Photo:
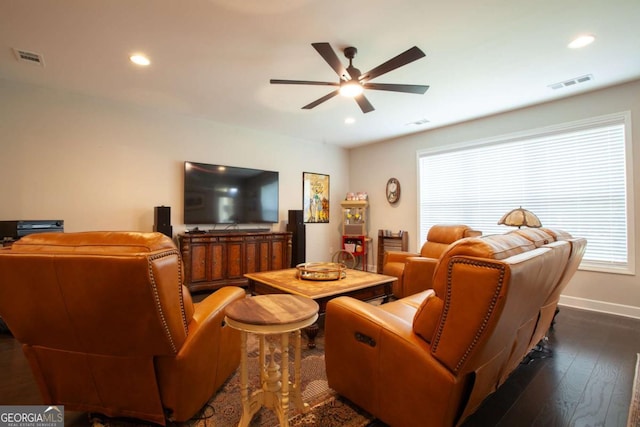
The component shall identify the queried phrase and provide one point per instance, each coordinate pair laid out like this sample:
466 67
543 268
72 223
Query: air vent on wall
572 82
29 57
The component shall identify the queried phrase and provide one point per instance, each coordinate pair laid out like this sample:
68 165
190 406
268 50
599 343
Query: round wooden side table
275 314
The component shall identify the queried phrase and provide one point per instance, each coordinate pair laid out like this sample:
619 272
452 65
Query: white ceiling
214 58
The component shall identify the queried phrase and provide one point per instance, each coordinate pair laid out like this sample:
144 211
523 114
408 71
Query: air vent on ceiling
572 82
419 122
29 57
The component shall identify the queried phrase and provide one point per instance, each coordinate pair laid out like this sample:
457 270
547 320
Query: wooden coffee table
357 284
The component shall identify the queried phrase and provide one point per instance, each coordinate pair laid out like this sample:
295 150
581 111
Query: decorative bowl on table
321 271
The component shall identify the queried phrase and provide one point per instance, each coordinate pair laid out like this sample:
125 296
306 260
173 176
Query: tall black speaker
298 241
162 220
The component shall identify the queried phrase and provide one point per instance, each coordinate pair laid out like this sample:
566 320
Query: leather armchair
108 327
415 270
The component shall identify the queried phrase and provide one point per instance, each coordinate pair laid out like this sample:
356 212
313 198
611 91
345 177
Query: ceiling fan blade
320 100
418 89
326 51
364 103
404 58
302 82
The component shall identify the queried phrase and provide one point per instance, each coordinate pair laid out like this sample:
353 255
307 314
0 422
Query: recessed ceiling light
581 41
349 120
140 60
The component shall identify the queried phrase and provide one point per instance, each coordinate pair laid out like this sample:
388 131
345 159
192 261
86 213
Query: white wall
397 158
100 165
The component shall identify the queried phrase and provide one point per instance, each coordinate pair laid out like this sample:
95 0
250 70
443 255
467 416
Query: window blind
574 179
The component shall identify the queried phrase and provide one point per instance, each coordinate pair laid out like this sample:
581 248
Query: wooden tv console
216 259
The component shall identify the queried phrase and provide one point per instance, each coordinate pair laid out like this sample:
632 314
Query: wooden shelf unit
390 241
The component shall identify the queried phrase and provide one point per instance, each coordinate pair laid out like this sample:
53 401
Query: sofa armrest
398 256
367 349
393 265
209 355
418 274
368 317
215 302
356 334
208 330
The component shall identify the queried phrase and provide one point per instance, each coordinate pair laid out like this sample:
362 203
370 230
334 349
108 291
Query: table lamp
520 217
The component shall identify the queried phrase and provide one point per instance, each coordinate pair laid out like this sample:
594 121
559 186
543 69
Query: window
576 177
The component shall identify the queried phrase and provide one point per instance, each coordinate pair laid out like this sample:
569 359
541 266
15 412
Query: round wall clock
393 190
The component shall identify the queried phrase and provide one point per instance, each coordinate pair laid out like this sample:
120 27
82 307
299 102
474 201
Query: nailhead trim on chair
185 322
150 260
485 320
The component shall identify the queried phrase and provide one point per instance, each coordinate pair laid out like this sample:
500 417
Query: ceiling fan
352 81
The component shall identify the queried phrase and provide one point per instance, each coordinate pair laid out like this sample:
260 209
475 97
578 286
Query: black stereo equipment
298 237
17 229
162 220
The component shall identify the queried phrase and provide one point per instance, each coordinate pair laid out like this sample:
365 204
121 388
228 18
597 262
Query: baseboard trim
600 306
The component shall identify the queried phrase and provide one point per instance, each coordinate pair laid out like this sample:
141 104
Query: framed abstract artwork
315 197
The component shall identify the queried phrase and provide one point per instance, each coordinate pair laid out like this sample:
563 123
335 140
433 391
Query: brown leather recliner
415 270
431 358
108 327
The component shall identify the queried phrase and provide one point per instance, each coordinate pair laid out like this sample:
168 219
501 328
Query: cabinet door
198 262
278 248
251 254
265 256
234 260
216 258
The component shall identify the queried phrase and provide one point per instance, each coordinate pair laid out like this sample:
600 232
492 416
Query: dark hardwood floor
586 381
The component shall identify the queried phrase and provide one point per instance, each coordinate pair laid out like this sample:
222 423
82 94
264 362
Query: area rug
634 407
327 409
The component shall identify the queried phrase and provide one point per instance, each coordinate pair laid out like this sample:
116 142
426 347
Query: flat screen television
219 194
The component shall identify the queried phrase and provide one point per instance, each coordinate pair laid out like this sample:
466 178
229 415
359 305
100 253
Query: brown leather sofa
108 327
431 358
415 270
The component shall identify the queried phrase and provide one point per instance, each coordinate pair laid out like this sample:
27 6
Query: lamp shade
520 217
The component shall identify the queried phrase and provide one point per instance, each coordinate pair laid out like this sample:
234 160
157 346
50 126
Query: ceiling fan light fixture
352 82
351 89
